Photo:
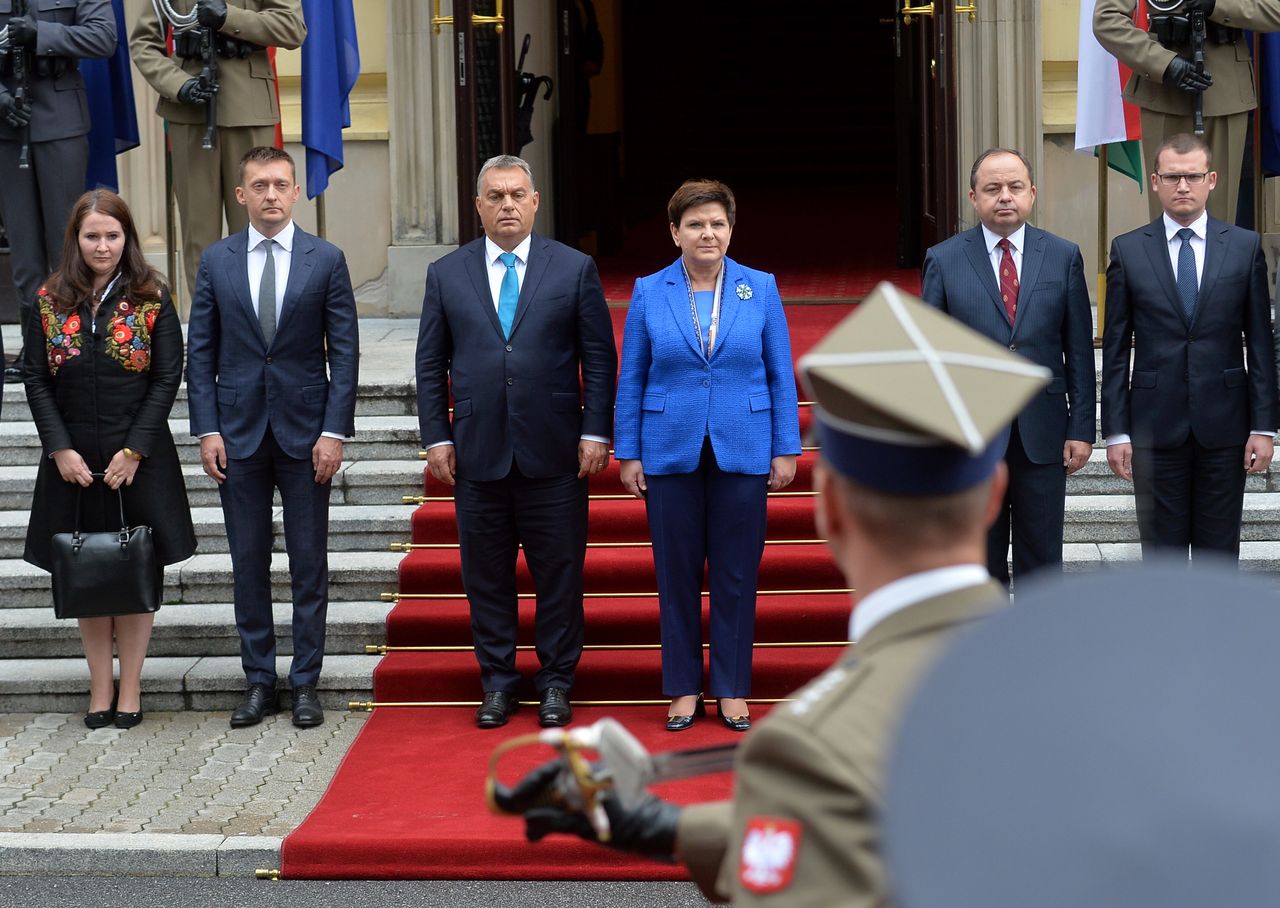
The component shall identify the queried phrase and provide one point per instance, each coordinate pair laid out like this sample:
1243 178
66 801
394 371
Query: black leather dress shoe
259 701
100 719
14 375
127 720
307 711
554 709
734 723
497 706
683 723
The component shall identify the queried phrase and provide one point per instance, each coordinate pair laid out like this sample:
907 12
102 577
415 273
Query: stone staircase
193 661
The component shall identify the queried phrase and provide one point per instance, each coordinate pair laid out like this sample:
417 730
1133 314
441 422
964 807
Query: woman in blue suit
706 425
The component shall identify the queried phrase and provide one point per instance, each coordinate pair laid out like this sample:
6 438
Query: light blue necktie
1188 287
508 294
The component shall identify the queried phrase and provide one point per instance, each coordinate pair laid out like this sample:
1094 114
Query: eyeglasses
1173 179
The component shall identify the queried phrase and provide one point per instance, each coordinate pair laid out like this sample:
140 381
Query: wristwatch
131 453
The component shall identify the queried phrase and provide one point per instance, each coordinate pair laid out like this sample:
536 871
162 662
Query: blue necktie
509 293
1188 287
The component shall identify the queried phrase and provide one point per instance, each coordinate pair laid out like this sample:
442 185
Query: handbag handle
124 525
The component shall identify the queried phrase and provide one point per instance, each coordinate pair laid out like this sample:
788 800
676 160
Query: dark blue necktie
1188 286
509 293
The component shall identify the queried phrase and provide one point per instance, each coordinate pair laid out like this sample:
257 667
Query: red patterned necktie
1008 280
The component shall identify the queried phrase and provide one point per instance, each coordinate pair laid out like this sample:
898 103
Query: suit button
706 384
508 348
268 360
511 381
1013 348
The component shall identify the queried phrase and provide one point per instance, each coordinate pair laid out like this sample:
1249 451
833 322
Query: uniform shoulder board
818 690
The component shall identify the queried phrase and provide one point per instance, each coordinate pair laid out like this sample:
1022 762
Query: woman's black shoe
128 720
734 723
101 719
681 723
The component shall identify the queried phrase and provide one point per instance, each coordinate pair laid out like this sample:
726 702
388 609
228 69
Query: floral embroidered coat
99 385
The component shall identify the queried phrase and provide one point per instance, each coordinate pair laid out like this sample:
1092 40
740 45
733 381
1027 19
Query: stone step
1103 519
377 398
172 683
1255 557
352 528
353 577
377 438
189 629
365 482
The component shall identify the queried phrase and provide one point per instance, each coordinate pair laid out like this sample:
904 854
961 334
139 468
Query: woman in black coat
103 361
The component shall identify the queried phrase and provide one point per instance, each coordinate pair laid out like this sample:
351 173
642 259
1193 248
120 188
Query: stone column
999 85
424 210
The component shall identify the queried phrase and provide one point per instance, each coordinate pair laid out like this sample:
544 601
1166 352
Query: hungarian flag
1103 116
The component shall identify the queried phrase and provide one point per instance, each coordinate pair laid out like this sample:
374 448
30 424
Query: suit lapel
478 269
238 248
301 263
1158 253
975 249
1032 259
534 270
730 304
678 302
1215 250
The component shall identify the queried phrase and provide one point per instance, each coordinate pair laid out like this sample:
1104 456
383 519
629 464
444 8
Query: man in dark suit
272 391
1190 420
516 327
52 124
1024 288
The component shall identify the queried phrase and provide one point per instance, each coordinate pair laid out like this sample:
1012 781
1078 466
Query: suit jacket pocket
654 402
1234 378
1046 286
226 396
461 409
761 401
1142 379
315 394
563 402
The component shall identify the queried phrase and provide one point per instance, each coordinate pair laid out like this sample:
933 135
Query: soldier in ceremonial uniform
911 476
35 201
1164 81
248 110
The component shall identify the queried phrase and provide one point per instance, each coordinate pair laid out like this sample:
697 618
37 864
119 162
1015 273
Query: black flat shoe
496 708
128 720
307 711
683 723
101 719
259 701
554 710
734 723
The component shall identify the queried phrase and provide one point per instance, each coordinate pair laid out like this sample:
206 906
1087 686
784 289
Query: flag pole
320 217
1102 243
1259 220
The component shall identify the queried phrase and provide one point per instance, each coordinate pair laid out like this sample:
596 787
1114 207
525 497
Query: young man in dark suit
515 327
1024 288
1187 295
272 360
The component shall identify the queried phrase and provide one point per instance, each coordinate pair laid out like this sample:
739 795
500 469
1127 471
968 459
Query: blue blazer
238 385
1188 378
526 399
671 397
1053 327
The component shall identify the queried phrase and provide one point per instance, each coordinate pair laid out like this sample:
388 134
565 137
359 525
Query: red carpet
407 802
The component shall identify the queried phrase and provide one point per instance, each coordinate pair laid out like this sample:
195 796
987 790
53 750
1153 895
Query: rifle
1197 57
209 80
22 90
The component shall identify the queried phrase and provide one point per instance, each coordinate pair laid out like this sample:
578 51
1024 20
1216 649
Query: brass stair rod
438 546
371 705
396 597
381 649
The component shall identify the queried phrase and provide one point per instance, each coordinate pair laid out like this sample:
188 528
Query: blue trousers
707 523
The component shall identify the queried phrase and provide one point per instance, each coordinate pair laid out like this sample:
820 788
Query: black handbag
96 575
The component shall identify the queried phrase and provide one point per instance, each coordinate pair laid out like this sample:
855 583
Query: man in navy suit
1189 294
1024 288
272 355
516 327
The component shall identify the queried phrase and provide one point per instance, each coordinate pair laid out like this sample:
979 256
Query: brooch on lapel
744 292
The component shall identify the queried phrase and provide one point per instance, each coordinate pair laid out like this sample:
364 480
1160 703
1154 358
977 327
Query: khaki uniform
802 827
247 108
1167 111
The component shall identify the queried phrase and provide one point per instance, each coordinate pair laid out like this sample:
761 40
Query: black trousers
548 517
1189 497
1032 513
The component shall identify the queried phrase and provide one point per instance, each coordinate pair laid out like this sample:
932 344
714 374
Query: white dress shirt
497 271
1199 229
281 253
996 254
894 597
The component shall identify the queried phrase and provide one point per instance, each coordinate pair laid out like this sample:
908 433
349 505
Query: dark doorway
795 108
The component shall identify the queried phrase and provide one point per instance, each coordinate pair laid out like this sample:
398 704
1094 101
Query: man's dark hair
973 173
1184 143
266 154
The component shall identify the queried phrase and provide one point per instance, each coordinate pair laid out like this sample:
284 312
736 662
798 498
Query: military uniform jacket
64 29
801 830
1230 64
247 87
